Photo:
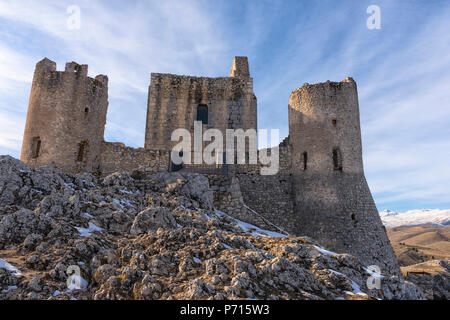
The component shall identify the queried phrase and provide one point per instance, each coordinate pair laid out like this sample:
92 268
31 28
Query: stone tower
66 118
222 103
332 200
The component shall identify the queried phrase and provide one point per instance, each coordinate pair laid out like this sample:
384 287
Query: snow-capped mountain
433 217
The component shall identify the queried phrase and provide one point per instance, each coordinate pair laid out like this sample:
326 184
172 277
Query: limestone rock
151 219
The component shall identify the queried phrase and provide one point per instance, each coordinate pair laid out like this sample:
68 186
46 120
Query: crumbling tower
66 118
176 101
332 200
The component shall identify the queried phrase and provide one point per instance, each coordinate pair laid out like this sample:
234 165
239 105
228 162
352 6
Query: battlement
46 69
82 69
306 86
156 75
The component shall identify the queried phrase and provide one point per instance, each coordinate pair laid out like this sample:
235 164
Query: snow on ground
9 289
254 230
437 217
8 267
226 246
197 260
88 215
355 286
373 272
86 232
325 252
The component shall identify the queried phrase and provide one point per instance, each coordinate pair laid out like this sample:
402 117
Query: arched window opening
86 112
353 217
305 160
202 113
83 149
334 122
35 147
337 159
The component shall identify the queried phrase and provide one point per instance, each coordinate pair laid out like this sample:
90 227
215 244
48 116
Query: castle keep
221 103
320 190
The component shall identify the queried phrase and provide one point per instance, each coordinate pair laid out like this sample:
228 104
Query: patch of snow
80 263
179 226
373 273
118 202
355 286
324 251
121 202
86 232
247 227
9 289
186 209
357 289
102 203
208 217
70 185
197 260
56 293
125 191
227 246
88 215
265 220
127 202
8 267
338 273
438 217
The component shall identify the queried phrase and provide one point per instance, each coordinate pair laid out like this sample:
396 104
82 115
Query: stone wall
173 101
271 197
66 118
115 156
230 198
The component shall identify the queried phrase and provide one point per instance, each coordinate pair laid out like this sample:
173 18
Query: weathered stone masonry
320 190
66 118
174 102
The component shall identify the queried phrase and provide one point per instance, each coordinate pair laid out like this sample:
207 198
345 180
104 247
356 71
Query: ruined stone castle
320 190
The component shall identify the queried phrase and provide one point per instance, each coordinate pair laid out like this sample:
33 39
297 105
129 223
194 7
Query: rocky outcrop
432 277
75 236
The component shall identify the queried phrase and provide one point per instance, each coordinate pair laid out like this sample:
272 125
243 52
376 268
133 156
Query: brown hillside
417 244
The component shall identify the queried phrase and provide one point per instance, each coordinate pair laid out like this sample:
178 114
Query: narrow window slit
202 113
305 160
82 151
337 159
35 147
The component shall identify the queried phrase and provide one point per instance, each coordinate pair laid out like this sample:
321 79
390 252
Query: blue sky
402 70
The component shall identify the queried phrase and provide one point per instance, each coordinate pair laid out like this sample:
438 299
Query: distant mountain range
423 217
